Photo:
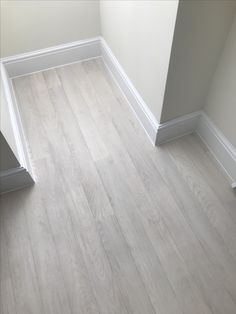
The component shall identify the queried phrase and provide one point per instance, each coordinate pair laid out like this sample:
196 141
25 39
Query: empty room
118 157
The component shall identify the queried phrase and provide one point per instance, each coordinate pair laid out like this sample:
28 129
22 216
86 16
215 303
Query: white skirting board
158 133
15 179
141 110
178 127
22 176
223 151
51 57
23 64
92 48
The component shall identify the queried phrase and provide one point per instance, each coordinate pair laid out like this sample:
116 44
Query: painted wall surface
200 34
140 35
32 25
221 99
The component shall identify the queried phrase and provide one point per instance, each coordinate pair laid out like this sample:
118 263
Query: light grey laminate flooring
113 224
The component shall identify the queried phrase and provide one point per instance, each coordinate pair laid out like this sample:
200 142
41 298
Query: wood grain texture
113 225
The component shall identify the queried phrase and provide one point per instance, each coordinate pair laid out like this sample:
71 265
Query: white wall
200 34
140 35
221 100
32 25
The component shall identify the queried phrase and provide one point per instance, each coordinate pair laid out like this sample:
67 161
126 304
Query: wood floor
113 224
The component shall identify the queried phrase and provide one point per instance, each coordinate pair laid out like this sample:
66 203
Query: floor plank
169 210
113 224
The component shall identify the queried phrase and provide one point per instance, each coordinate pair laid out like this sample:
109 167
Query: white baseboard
92 48
137 104
223 151
16 122
27 63
43 59
23 175
178 127
157 133
14 179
